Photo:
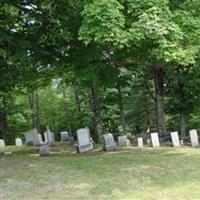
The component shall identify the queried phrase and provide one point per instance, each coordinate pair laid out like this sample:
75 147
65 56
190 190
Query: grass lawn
130 173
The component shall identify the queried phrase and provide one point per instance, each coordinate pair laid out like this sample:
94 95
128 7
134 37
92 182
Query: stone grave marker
122 140
2 143
194 138
31 137
50 137
127 143
64 135
175 139
140 142
18 142
84 140
44 150
108 142
155 140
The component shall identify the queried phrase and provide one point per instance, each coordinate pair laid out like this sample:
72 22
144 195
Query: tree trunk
67 113
159 94
3 120
121 106
182 124
96 112
34 105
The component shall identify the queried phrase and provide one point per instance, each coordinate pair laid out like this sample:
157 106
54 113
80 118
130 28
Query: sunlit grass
128 173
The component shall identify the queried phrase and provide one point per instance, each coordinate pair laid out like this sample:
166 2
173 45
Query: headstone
40 138
194 138
155 140
84 141
108 142
127 142
31 137
64 136
44 150
175 139
50 137
140 142
45 138
148 141
18 142
182 142
122 140
2 143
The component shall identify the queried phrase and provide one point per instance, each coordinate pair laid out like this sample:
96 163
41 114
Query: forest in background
116 66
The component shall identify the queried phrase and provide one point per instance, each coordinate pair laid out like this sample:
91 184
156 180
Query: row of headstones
174 137
18 142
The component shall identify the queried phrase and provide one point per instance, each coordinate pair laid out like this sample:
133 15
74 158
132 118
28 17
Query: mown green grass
129 173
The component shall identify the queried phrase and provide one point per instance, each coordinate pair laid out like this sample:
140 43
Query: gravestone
108 142
40 138
18 142
45 138
44 150
84 140
194 138
175 139
31 137
127 142
182 142
122 140
2 143
64 135
155 140
50 137
148 141
140 142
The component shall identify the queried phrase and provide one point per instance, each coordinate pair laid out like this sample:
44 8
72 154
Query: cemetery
100 99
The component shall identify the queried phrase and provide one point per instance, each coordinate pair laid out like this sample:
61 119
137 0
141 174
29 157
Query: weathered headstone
108 142
155 140
2 143
127 142
194 138
84 140
18 142
122 140
148 141
175 139
64 135
182 142
140 142
44 150
50 137
31 137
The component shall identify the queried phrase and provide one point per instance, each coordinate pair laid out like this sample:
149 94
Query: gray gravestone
84 140
175 139
64 135
140 142
18 142
122 140
155 140
148 141
50 137
44 150
31 137
108 142
2 143
127 142
194 138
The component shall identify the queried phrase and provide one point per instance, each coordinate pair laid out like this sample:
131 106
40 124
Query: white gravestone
122 140
64 136
194 138
175 139
148 141
108 142
50 137
2 143
18 142
140 142
84 140
155 140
